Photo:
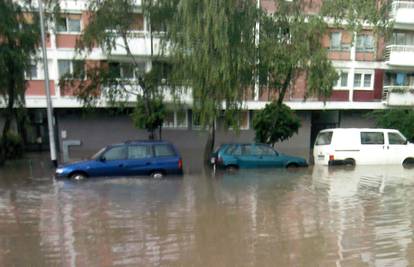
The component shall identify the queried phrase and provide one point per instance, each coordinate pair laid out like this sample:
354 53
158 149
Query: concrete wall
97 131
356 119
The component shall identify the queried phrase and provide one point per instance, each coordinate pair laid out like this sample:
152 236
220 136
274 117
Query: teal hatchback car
235 156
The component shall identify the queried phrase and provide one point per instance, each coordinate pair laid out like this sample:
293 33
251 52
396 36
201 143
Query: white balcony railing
399 55
402 12
395 95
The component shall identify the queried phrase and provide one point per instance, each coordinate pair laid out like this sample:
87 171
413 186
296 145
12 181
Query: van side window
163 151
396 139
324 138
372 138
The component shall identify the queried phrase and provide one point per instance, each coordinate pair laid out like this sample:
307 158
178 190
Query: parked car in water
362 146
234 156
154 158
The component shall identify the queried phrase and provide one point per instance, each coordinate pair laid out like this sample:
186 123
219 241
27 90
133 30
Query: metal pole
48 98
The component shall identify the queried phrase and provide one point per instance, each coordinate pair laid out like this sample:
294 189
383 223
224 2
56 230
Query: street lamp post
52 143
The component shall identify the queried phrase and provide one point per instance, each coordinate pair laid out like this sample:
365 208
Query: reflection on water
310 217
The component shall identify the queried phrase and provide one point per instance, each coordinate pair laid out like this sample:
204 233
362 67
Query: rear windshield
324 138
164 151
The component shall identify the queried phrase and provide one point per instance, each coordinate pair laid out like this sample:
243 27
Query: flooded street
309 217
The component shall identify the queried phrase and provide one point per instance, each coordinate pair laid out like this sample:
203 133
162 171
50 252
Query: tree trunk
210 142
285 86
160 133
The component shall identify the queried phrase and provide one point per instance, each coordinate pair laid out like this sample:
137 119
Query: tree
113 25
400 119
291 47
275 123
19 39
212 45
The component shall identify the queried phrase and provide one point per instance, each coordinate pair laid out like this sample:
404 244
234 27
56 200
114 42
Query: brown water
310 217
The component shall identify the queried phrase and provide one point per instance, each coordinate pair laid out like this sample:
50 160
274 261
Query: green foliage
11 147
275 123
211 44
156 110
400 119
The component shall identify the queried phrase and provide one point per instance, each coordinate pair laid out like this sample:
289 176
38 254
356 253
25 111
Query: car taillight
331 157
180 164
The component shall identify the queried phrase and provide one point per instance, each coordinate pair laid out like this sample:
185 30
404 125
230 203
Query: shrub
11 147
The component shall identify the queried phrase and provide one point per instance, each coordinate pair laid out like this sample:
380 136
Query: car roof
358 129
142 142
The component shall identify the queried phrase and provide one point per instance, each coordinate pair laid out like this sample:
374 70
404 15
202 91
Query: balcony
139 43
399 55
394 95
402 14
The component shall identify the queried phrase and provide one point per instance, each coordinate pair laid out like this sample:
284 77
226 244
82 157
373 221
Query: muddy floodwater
309 217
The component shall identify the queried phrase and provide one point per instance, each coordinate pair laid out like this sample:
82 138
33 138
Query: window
363 80
75 68
175 119
396 139
372 138
265 151
234 150
31 72
357 79
126 70
367 80
324 138
137 22
248 150
365 43
70 23
115 153
335 41
342 80
139 152
163 151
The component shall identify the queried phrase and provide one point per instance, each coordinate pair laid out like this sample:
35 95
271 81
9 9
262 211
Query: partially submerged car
132 158
235 156
362 146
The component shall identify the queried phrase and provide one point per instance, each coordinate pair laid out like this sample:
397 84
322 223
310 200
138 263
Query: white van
362 146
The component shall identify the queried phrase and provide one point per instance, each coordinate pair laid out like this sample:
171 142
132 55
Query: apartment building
374 74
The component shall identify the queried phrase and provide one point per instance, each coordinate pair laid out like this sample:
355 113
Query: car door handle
148 163
121 165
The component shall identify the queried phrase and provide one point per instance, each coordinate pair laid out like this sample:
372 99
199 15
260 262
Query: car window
324 138
234 150
265 151
248 150
139 152
372 138
163 151
396 139
115 153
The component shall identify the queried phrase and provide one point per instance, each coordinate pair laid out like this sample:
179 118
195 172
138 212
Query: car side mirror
102 159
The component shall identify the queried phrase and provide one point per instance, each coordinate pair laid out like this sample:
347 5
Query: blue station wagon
234 156
155 158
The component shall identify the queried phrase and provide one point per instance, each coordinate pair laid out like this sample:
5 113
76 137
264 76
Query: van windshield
324 138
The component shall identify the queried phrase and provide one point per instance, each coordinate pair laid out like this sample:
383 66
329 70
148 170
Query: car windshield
98 154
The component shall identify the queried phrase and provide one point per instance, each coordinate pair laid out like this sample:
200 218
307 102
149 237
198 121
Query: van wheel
349 162
157 174
78 176
408 163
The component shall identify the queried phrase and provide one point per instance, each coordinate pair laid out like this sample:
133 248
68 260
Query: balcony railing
401 55
401 12
396 95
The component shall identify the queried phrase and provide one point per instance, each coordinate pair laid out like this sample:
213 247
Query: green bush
401 119
275 123
11 147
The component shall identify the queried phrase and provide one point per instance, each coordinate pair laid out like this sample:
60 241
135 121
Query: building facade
374 74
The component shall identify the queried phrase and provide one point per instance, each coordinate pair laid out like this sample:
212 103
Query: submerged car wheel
157 175
292 166
232 168
349 162
78 176
408 163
